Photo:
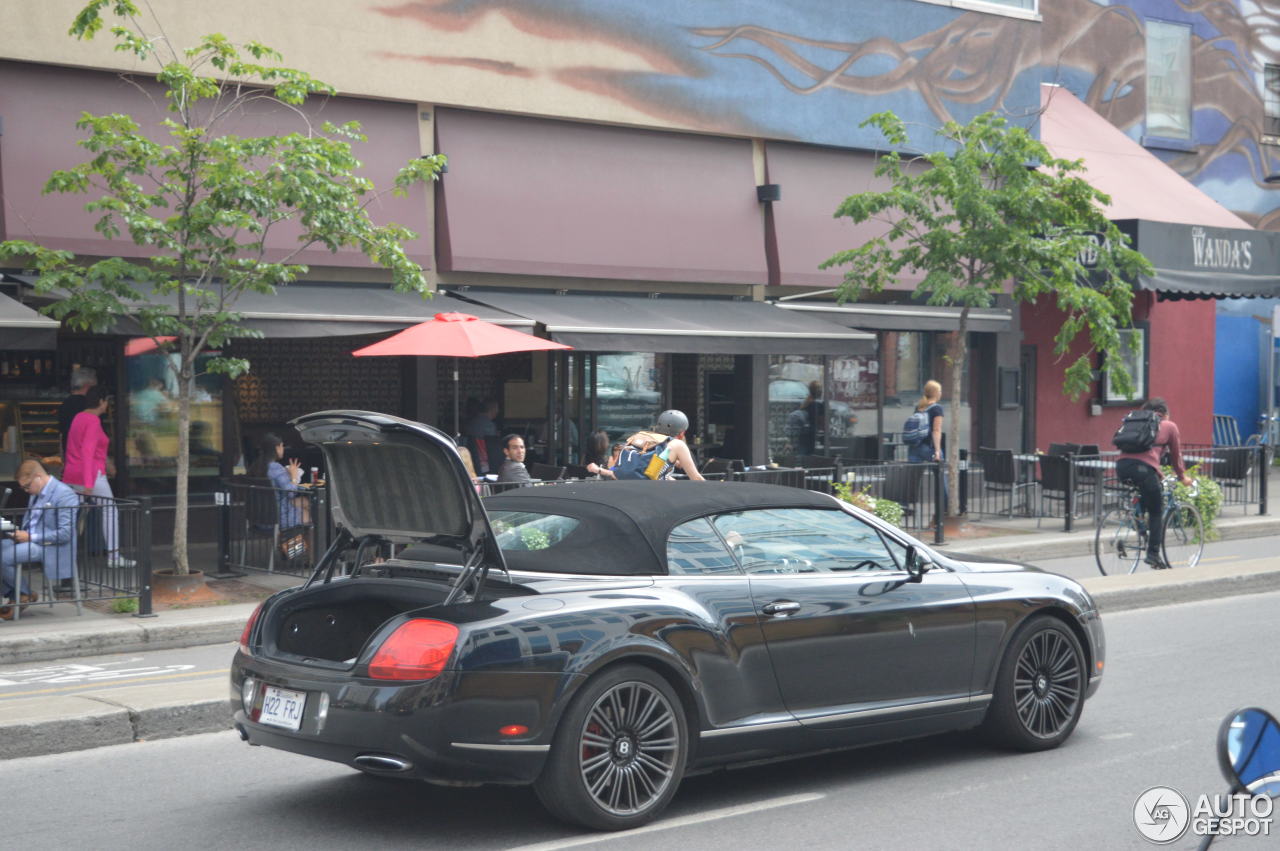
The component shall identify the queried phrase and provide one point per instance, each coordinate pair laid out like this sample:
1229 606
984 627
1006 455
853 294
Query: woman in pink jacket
86 467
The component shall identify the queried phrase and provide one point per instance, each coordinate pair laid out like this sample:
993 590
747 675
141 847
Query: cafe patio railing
252 541
266 529
96 552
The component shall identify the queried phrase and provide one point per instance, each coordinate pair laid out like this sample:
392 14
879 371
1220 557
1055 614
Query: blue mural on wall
814 70
808 71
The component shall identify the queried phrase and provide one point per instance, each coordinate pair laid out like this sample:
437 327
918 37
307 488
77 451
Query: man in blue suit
47 534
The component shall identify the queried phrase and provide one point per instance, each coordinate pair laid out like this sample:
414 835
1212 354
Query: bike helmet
671 423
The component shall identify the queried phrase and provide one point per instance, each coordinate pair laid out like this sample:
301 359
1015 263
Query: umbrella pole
456 429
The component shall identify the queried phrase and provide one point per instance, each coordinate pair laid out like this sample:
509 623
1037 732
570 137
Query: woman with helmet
668 432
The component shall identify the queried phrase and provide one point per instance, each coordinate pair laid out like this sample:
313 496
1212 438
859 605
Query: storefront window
153 417
1133 362
797 405
824 405
911 359
629 391
852 384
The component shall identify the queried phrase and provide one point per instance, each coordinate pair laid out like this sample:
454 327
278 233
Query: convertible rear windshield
529 531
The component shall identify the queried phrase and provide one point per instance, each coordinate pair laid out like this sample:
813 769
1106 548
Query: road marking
1110 737
683 821
88 674
83 686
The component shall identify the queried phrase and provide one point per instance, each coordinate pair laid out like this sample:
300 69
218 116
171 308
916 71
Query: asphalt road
1173 673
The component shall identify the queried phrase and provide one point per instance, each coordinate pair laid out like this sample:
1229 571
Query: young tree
993 212
202 204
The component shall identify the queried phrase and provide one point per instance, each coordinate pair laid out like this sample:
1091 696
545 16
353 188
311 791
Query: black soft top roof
624 526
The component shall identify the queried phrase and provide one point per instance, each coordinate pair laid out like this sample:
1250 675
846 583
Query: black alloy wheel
1040 687
619 753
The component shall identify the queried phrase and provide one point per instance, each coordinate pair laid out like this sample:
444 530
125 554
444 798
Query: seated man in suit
47 534
513 469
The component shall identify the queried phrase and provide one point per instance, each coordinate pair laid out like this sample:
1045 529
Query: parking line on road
682 821
101 683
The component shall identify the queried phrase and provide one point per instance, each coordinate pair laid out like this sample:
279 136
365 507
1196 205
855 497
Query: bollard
222 499
144 558
1264 469
1069 498
939 502
964 481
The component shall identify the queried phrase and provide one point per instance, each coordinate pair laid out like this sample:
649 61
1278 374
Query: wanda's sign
1210 250
1199 261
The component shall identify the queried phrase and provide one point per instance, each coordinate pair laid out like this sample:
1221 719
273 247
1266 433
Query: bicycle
1120 542
1267 436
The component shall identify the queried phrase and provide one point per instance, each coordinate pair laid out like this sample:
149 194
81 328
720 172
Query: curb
176 628
42 726
1164 588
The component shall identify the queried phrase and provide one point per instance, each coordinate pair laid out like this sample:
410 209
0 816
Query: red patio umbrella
457 335
143 345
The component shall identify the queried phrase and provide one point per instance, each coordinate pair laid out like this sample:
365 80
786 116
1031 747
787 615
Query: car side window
694 548
807 540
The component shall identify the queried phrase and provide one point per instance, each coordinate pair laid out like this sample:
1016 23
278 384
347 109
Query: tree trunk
957 352
186 373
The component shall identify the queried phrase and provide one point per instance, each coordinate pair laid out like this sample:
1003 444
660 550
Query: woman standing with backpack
929 448
1139 465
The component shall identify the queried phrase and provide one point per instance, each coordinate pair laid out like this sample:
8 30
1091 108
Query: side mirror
917 564
1249 752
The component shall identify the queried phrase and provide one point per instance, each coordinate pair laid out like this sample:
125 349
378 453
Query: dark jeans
922 453
1147 481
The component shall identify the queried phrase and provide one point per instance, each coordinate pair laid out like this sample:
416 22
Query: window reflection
153 416
804 540
628 391
1168 80
695 548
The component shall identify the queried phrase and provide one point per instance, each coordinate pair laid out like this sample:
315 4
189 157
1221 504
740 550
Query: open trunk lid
400 481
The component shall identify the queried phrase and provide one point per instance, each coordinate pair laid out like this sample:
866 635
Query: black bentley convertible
601 640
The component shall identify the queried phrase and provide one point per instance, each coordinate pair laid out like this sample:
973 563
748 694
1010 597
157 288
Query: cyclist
1142 470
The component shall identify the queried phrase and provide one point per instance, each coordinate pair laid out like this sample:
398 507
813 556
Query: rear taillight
417 650
248 630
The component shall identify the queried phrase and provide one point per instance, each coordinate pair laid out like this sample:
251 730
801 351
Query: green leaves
993 211
89 21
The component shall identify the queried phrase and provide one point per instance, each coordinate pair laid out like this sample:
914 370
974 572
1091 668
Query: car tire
1040 688
619 753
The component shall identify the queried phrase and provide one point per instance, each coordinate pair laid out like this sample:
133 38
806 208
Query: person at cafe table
513 469
47 534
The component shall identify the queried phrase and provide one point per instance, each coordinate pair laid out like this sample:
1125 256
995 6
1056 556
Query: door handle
781 607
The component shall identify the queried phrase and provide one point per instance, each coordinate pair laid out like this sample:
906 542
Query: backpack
1137 432
916 429
637 463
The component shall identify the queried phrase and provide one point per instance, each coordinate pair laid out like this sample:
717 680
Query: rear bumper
443 730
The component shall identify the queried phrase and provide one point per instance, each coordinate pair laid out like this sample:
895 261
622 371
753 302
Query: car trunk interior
333 622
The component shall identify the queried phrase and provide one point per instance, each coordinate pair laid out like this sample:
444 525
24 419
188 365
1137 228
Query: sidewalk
31 726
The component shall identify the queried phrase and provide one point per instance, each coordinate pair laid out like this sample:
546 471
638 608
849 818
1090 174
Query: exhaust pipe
244 734
382 762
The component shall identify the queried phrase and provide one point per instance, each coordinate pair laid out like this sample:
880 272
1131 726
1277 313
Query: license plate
282 707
